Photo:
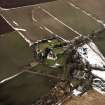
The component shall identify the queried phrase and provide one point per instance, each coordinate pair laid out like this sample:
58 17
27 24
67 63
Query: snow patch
76 92
55 65
15 23
98 73
90 53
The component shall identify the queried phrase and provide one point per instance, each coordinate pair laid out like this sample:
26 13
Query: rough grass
43 45
43 69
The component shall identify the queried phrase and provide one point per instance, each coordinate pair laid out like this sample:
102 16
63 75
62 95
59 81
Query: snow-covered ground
76 92
89 52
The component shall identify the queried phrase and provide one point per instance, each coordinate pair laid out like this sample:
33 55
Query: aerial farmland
52 52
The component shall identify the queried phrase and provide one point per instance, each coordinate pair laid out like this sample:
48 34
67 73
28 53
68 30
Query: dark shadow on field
4 27
18 3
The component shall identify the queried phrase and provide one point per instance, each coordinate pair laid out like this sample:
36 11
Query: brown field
72 17
91 98
23 16
4 27
95 7
54 25
64 26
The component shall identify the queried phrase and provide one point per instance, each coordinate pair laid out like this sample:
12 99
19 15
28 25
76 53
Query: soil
91 98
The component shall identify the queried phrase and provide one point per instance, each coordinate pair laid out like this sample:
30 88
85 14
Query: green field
14 54
49 44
